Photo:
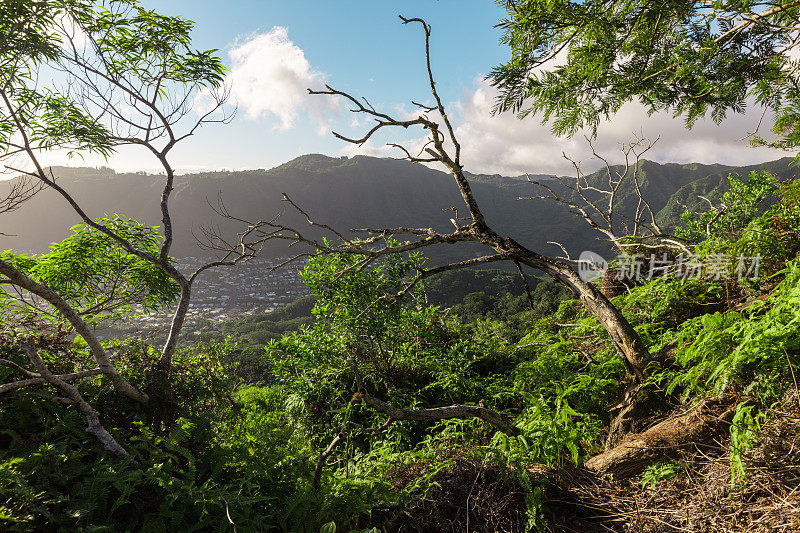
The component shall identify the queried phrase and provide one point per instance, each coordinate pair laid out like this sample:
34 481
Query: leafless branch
598 202
95 427
8 387
489 416
21 370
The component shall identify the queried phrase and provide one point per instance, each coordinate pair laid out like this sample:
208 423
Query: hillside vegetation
418 387
289 430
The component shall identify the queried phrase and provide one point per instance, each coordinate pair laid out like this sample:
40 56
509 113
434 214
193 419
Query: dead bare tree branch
598 204
95 427
443 147
8 387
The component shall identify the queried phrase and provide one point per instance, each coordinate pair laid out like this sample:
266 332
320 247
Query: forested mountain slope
348 193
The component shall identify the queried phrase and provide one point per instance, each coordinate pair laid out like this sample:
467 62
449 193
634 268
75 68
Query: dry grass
704 498
468 494
701 498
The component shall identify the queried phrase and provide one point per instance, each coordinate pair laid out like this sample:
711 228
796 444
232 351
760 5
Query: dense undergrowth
232 438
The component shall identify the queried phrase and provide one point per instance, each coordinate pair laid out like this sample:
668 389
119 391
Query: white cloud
369 148
269 77
503 144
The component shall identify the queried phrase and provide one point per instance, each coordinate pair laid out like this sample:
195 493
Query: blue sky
358 41
276 49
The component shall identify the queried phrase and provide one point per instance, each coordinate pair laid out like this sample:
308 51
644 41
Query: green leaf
330 527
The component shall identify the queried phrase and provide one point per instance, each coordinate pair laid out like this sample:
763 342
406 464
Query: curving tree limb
95 427
442 147
39 380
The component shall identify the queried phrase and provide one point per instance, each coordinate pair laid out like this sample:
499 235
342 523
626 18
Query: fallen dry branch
700 498
493 418
696 425
489 416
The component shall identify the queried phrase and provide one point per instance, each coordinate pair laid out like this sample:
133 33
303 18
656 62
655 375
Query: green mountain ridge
348 193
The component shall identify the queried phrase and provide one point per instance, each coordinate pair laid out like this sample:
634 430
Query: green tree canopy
89 76
30 38
95 274
578 62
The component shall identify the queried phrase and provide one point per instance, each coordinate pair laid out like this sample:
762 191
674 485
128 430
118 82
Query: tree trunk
171 344
19 279
95 427
494 419
626 340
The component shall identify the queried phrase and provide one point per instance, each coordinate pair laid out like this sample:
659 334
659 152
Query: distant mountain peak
354 192
313 162
82 172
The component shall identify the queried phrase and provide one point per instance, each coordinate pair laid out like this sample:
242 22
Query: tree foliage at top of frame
122 67
29 39
578 62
